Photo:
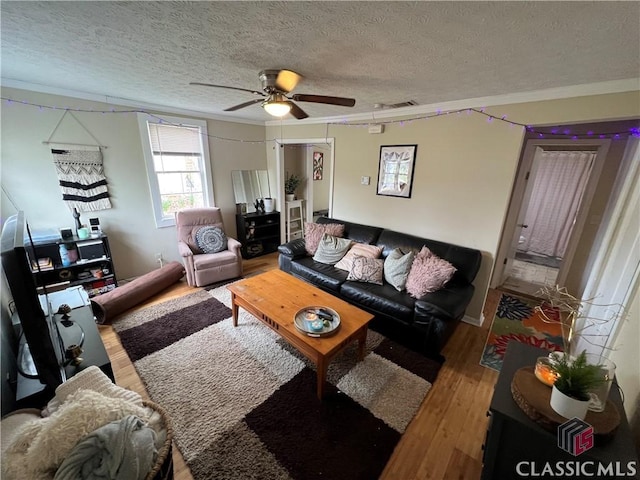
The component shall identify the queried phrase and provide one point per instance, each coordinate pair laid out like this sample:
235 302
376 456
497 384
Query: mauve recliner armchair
206 268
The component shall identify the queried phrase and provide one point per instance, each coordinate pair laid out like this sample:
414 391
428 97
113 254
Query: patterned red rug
517 320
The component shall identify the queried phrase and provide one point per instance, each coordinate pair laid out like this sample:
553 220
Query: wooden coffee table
275 297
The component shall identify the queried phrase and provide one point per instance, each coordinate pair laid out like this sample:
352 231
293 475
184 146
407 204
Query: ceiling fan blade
255 92
297 112
342 101
287 80
242 105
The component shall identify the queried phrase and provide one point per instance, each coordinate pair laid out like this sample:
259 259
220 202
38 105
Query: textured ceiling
375 52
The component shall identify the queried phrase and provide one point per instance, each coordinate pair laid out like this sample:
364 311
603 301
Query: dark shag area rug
243 402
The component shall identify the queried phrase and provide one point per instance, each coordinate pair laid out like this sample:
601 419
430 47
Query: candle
311 316
544 372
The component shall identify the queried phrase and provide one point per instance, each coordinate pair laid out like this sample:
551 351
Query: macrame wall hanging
80 172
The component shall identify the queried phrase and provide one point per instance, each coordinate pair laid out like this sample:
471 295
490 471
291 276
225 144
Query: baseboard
474 321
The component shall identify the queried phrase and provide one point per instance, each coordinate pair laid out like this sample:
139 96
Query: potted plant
290 184
576 377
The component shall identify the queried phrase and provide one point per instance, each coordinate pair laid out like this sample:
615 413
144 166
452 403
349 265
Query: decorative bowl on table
317 321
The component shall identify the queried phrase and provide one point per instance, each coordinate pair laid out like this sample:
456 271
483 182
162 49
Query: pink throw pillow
313 234
358 249
428 273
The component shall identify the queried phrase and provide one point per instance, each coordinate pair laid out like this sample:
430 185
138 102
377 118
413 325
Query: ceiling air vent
409 103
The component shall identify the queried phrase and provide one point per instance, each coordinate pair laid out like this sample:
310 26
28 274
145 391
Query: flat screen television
37 326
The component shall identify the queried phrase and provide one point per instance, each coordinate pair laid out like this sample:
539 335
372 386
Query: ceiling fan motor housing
268 79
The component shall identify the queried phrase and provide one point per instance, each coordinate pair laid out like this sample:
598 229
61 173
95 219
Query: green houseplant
576 377
291 183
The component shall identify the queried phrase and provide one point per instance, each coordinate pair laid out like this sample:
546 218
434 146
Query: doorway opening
313 160
549 205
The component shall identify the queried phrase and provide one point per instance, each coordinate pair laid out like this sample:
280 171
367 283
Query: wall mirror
248 185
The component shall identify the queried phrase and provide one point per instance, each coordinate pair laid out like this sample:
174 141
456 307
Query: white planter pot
269 205
568 406
290 197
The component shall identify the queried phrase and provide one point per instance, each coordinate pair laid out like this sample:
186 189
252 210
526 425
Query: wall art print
318 165
395 171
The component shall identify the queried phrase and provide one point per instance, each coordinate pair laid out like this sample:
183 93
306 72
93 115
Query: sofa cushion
212 260
428 273
466 260
211 239
331 249
366 269
358 249
324 276
313 234
397 266
380 298
355 231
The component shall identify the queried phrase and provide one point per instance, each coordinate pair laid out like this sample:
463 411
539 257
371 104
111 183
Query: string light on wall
540 132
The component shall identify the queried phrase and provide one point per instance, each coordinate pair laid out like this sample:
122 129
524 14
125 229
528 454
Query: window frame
206 178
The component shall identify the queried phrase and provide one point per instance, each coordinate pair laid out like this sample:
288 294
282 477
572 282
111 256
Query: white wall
463 175
29 179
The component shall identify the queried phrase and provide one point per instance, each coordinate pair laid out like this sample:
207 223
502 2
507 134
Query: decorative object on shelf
269 205
76 216
66 232
64 310
318 165
259 204
292 182
561 308
64 255
395 170
83 233
576 377
545 372
599 394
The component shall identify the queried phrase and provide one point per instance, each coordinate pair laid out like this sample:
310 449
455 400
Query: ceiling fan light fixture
277 105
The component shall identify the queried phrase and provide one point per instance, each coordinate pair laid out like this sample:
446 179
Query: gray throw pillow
331 249
397 266
211 239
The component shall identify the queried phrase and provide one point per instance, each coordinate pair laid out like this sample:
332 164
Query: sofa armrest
234 245
293 249
448 303
184 250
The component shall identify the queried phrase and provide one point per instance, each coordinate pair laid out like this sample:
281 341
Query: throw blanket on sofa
123 449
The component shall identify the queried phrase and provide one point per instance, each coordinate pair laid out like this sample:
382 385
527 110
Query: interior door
526 184
521 195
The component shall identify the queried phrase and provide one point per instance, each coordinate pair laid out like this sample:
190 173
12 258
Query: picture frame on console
395 170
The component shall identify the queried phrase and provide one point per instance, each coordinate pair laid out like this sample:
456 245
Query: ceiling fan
275 98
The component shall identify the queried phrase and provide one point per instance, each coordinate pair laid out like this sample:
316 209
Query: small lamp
277 105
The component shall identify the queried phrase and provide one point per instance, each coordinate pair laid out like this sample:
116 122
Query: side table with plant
292 182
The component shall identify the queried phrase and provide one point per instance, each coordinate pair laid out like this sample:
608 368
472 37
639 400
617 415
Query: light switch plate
365 180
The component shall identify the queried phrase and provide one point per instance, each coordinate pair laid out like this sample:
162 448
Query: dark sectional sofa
423 324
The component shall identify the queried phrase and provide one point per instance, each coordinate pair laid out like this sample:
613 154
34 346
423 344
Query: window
177 156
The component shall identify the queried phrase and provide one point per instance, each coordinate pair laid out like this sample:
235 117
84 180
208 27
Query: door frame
518 193
330 141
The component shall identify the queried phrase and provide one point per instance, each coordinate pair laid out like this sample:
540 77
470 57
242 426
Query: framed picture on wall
318 161
395 171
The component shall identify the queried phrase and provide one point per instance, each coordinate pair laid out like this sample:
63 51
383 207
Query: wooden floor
444 440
